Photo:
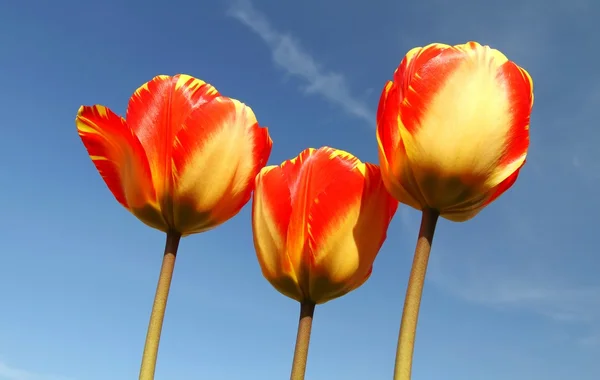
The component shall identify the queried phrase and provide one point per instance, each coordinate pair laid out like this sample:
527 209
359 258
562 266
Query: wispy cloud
561 303
515 286
11 373
288 54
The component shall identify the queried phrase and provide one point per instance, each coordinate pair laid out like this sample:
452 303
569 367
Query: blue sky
512 294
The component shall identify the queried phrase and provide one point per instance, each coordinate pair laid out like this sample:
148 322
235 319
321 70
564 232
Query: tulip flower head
319 221
453 128
185 157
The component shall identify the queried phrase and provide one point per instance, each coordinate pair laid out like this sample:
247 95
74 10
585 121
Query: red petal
117 154
216 157
313 175
333 185
272 188
502 187
271 211
420 76
395 167
520 94
388 130
348 225
156 112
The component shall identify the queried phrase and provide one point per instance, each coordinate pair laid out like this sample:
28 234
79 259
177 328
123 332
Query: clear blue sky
512 294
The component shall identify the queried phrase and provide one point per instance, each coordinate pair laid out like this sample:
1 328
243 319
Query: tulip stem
414 291
307 309
158 308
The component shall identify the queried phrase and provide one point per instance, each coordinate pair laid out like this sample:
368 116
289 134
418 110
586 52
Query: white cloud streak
560 303
288 54
11 373
508 287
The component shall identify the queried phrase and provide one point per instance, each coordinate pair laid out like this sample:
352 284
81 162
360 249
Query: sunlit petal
216 156
121 160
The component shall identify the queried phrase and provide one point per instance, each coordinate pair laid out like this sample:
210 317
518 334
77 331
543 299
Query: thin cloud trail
288 54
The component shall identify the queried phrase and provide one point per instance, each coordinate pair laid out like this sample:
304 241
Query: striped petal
216 156
456 114
271 211
348 223
519 87
325 184
121 161
502 187
396 171
156 112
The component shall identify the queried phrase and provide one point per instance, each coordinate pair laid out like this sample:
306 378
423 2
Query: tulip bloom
319 221
453 133
453 128
185 157
183 161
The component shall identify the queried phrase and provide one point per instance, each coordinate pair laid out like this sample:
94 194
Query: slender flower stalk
307 310
158 308
414 292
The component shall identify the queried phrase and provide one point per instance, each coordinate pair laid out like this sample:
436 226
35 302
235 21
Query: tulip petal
388 131
306 175
503 186
328 188
519 86
157 111
216 156
116 153
392 154
271 210
121 160
348 222
412 89
468 210
457 115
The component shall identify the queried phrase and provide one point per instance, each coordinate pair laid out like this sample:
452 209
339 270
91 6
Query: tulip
183 161
185 157
453 128
318 222
453 133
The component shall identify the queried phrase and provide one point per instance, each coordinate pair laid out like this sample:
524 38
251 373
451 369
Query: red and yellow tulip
185 157
319 221
453 128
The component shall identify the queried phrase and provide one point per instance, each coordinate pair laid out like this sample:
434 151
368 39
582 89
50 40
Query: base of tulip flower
414 291
307 310
158 308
